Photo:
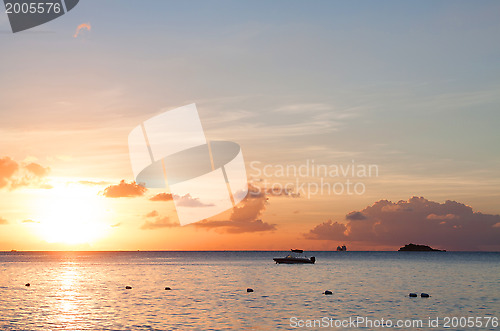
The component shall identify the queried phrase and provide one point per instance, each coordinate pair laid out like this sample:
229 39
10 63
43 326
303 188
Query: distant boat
341 248
295 257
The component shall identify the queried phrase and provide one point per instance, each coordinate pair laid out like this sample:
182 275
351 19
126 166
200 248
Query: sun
71 214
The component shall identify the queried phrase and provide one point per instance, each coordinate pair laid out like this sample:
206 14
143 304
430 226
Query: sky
408 89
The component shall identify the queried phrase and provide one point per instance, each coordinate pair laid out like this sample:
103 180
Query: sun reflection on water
68 296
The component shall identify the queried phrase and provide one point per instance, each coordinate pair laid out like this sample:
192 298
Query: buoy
424 295
249 289
128 287
328 292
413 295
167 288
28 284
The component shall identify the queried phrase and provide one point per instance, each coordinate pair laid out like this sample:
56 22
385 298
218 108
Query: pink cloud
450 225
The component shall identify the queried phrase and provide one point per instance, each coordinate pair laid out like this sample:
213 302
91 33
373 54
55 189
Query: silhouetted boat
296 256
342 248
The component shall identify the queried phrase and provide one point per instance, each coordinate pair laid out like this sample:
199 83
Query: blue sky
418 76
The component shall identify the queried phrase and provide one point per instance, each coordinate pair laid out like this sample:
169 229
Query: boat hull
285 260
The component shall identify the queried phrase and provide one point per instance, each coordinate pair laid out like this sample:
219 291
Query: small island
419 248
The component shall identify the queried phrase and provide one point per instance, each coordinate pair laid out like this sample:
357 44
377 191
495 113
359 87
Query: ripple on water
88 293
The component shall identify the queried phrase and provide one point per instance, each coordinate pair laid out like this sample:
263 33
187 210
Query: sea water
87 291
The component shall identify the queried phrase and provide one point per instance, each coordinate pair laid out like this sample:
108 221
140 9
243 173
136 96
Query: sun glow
71 214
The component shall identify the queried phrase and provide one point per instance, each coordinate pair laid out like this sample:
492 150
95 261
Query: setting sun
71 215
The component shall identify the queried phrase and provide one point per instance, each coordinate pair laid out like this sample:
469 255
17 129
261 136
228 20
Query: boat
295 257
342 248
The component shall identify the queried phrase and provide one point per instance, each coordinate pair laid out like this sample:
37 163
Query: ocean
87 291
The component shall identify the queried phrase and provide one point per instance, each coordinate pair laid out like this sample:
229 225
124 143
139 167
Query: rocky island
418 248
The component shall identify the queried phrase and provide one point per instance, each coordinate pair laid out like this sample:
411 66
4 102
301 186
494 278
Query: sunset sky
411 89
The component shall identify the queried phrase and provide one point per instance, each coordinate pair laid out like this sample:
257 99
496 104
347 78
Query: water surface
86 290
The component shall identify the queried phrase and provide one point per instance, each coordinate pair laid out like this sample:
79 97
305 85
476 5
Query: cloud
37 169
14 175
124 190
442 217
449 225
355 215
328 230
160 222
7 169
244 218
116 225
3 221
82 26
188 201
152 214
162 197
185 200
29 221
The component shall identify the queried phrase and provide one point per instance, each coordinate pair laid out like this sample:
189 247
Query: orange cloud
37 169
162 197
3 221
7 169
81 26
244 218
450 225
124 190
185 200
159 222
14 175
154 213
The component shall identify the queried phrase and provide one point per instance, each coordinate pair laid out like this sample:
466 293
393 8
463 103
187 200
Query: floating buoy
167 288
249 289
28 284
424 295
328 292
128 287
413 295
